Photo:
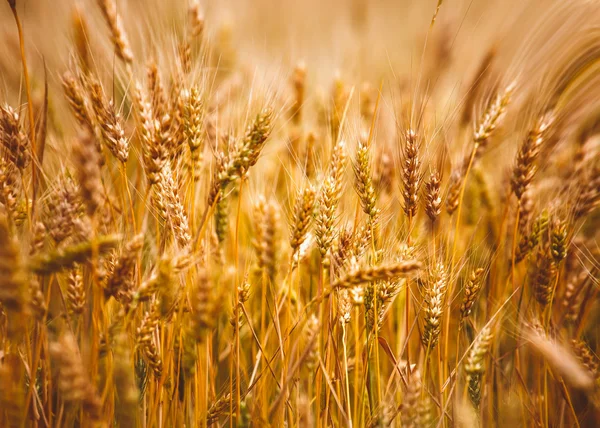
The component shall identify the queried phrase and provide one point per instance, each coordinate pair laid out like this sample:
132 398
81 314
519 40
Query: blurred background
364 39
384 42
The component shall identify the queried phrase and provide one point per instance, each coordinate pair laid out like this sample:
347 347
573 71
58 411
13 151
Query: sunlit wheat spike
558 246
77 100
331 192
475 364
525 168
453 194
267 239
471 292
120 282
192 119
63 206
543 274
279 213
75 293
172 207
433 200
118 35
154 150
435 293
364 179
411 173
13 138
110 123
490 119
245 155
10 187
146 339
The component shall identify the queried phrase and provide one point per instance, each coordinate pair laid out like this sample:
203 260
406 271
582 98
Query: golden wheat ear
434 298
475 364
73 381
118 35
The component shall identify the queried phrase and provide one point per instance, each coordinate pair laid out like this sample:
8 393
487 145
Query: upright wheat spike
88 173
386 291
37 300
434 305
329 199
77 101
120 282
453 194
174 210
433 201
154 150
525 168
63 206
38 238
364 179
146 339
10 189
558 244
109 121
302 217
299 83
156 91
475 364
192 120
73 381
266 242
12 138
245 156
205 306
472 289
589 196
530 242
543 276
411 174
118 35
75 295
491 118
417 407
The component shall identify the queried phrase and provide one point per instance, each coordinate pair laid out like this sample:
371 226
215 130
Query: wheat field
344 213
